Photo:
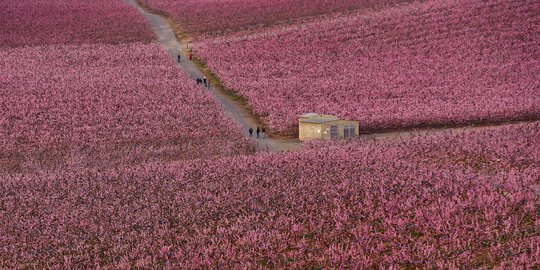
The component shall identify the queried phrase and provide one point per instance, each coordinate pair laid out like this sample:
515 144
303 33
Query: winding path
232 108
245 119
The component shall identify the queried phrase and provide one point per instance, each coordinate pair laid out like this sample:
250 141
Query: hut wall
309 131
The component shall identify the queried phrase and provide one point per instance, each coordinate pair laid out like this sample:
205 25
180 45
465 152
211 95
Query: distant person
258 131
205 81
179 58
263 133
199 80
190 56
250 132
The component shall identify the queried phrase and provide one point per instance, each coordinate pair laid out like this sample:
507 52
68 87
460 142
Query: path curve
232 108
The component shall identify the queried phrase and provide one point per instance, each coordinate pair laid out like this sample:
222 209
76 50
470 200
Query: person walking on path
205 81
258 131
263 134
250 132
190 55
199 81
179 58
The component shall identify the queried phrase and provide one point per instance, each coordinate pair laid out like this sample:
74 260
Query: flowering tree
462 201
213 17
94 103
30 23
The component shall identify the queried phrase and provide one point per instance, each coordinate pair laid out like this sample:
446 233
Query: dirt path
232 108
238 112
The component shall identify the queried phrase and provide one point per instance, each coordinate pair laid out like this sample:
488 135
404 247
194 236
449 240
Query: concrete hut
321 126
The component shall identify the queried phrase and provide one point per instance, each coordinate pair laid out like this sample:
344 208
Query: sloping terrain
214 17
424 64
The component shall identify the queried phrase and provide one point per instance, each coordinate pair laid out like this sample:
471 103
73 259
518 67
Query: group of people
259 131
204 81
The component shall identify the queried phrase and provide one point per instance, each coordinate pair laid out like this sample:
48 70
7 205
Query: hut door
333 132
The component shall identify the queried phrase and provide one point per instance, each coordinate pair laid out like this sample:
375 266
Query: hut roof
317 118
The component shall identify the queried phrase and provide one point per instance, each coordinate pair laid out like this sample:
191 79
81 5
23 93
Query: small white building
321 126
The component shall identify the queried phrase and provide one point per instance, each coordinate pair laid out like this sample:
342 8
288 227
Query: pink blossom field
112 158
427 63
77 92
217 17
31 22
463 201
110 97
